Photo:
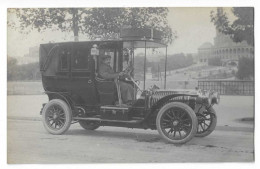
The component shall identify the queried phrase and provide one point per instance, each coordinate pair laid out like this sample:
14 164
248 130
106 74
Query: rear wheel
176 123
207 121
89 125
56 116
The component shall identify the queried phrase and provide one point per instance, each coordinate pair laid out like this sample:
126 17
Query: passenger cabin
72 69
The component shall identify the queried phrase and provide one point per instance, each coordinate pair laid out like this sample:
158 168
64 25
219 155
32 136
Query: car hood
179 91
185 94
160 93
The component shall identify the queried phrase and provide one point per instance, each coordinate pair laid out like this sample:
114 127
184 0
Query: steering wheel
128 70
126 75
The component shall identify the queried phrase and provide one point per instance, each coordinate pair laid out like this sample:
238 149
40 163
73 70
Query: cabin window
80 59
64 57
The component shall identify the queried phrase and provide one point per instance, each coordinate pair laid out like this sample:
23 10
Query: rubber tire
67 112
212 127
84 124
191 114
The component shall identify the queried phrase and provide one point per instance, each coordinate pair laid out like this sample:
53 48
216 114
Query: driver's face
107 61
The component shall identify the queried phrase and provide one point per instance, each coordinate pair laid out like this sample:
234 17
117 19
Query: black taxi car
77 94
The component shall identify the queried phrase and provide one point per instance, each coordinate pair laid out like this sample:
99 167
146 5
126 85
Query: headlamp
208 97
215 98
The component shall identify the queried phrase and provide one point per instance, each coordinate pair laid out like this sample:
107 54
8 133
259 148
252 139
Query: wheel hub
175 123
55 116
201 119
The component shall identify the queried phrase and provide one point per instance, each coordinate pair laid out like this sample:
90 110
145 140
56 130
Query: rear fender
61 95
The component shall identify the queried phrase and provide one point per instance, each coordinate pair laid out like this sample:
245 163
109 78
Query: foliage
242 28
189 59
176 61
63 19
245 68
107 22
22 72
215 61
103 23
11 65
139 64
233 72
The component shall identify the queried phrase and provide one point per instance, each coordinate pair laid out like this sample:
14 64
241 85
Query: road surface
28 142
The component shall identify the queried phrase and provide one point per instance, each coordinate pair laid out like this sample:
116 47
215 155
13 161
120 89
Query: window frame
68 55
76 48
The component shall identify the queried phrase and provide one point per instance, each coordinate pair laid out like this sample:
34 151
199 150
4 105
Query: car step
99 119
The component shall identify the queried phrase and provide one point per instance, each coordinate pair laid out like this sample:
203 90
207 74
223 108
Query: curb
220 128
24 118
228 128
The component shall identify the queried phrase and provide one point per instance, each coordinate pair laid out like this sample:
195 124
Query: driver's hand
129 68
127 76
121 73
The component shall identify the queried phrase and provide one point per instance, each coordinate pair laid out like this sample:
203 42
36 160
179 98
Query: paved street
28 142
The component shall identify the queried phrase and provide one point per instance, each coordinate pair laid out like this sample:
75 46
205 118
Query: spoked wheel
56 116
89 125
176 122
207 121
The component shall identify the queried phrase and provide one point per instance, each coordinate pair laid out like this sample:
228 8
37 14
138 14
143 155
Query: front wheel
176 123
56 116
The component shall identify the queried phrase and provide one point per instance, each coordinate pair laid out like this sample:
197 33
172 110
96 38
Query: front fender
158 101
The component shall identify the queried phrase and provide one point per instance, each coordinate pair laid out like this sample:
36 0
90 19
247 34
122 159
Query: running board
107 120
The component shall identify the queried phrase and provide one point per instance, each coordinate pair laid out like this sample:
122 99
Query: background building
31 57
225 49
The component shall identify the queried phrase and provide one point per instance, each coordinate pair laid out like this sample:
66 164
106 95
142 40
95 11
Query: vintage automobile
77 94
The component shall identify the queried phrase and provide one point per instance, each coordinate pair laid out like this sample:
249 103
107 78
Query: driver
106 72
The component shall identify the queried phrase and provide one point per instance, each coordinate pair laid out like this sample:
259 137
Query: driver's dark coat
127 91
106 72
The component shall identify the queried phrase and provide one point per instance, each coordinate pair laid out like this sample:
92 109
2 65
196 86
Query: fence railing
228 87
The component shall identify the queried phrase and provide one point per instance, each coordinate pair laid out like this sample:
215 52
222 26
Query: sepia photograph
130 85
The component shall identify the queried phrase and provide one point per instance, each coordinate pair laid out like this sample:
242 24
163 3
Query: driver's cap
103 57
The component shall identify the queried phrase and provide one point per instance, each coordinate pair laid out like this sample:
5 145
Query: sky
193 28
192 25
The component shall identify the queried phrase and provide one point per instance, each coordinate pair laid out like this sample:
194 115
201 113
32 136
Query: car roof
127 43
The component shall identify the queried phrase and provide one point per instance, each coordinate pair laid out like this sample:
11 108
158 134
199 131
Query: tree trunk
75 24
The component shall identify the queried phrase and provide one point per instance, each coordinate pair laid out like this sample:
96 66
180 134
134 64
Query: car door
82 82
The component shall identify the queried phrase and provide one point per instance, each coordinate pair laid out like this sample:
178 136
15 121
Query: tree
63 19
11 67
179 61
107 22
104 23
242 28
139 64
215 61
189 59
175 61
29 71
245 68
